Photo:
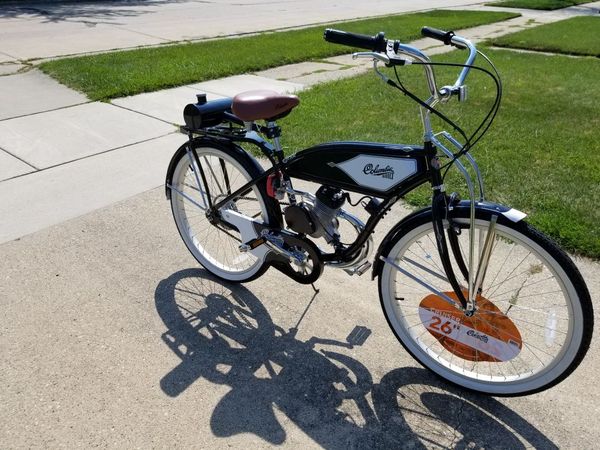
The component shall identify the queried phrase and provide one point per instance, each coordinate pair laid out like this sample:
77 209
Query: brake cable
413 97
489 118
485 123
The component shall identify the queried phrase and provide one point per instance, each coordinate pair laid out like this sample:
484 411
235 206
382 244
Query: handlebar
391 52
376 43
447 37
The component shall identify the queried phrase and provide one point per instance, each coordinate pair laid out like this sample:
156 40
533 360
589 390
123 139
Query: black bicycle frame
335 164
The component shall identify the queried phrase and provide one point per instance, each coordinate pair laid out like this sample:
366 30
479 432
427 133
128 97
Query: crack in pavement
459 418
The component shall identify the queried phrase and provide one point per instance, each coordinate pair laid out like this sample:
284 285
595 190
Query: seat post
274 132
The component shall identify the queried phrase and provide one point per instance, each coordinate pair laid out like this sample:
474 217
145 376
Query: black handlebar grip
444 36
375 43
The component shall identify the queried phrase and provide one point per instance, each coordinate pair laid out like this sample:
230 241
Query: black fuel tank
366 167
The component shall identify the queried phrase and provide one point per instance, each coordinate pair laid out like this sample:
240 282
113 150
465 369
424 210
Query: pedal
251 245
358 270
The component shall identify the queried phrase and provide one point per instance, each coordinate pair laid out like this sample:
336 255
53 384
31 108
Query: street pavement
113 336
98 346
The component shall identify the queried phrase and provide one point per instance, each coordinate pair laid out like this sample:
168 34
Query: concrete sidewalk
52 141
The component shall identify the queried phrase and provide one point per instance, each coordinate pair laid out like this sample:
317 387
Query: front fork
440 213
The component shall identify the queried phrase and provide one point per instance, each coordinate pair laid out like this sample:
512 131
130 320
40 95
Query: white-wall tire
552 307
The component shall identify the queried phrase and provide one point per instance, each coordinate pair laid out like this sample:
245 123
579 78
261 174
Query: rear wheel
220 173
534 318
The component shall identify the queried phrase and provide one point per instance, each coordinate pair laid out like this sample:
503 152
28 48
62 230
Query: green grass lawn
118 74
538 4
576 36
541 156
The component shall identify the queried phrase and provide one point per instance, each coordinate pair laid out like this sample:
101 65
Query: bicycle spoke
501 267
215 246
525 286
509 277
430 258
541 311
537 294
214 177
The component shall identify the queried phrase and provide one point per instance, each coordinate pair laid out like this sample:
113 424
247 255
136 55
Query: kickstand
295 328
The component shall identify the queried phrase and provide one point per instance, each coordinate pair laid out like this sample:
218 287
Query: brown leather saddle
263 105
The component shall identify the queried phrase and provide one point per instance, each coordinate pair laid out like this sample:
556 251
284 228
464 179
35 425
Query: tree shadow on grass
223 333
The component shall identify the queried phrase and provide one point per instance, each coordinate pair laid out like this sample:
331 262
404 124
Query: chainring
314 267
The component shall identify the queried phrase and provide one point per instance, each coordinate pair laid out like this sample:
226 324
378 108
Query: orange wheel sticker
488 335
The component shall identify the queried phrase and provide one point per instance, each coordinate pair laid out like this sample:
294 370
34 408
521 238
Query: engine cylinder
332 197
328 201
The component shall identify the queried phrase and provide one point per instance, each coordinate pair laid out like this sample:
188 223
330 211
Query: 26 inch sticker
445 326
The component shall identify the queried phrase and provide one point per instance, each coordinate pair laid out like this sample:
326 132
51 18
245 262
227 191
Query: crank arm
248 231
258 240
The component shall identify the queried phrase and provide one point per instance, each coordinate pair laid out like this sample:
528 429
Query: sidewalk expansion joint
20 159
24 67
141 113
87 156
118 27
46 111
541 52
16 58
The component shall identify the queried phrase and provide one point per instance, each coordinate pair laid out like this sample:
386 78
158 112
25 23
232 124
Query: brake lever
371 55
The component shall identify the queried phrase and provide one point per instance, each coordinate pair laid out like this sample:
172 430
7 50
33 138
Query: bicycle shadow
432 407
223 333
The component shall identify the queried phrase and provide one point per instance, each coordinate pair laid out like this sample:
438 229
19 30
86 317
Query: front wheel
533 321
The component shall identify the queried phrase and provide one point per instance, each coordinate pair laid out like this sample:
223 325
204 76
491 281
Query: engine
317 216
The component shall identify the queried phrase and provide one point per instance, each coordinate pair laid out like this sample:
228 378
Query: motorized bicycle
471 290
